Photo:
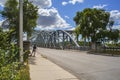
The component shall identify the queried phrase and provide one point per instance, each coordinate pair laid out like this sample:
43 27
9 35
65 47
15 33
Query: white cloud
67 17
100 6
115 14
72 2
75 1
64 3
42 3
51 19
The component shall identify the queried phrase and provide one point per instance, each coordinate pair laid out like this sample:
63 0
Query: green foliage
26 55
77 32
91 21
113 45
9 72
23 73
5 38
13 71
11 13
114 35
30 14
92 24
81 43
10 67
9 63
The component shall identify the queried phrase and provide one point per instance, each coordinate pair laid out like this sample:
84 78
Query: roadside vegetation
10 66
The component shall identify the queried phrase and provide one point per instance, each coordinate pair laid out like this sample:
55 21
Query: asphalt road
83 65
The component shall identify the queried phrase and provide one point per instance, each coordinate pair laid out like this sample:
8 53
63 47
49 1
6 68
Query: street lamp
21 29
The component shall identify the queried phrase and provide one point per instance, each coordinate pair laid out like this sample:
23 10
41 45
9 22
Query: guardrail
112 48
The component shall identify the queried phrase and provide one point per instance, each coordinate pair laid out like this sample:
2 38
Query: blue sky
70 10
1 8
58 14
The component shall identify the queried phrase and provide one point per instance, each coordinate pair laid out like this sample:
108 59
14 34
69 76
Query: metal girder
54 39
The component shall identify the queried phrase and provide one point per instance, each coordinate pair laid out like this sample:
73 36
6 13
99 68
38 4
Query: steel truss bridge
59 39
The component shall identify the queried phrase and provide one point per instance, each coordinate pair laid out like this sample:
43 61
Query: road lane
85 66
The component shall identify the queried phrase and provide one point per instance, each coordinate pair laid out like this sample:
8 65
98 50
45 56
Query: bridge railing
114 49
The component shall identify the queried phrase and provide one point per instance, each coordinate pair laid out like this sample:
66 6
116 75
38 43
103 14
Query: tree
30 17
111 22
77 32
11 13
92 22
114 35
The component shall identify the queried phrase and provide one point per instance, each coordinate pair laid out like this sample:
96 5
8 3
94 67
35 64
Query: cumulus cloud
67 17
100 6
115 15
72 2
51 19
64 3
42 3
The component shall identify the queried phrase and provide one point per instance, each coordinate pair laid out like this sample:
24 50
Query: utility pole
21 29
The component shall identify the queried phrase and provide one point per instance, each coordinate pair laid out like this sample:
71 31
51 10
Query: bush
13 70
9 72
113 45
10 67
81 43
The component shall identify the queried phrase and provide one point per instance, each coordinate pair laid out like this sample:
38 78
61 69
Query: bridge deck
85 66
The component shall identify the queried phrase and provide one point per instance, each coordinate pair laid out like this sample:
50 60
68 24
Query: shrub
10 67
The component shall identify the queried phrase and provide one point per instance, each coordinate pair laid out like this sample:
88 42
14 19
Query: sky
59 14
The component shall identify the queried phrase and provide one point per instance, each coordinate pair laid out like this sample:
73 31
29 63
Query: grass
24 72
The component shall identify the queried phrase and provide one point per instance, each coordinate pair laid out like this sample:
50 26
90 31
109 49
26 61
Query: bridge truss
59 39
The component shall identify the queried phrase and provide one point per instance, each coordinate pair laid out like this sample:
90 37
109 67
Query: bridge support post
63 41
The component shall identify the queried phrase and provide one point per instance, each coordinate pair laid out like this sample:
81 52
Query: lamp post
21 29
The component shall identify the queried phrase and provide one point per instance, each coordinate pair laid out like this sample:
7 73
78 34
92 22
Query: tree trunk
77 38
93 45
84 42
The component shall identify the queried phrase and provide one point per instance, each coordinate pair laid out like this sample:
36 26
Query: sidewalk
43 69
